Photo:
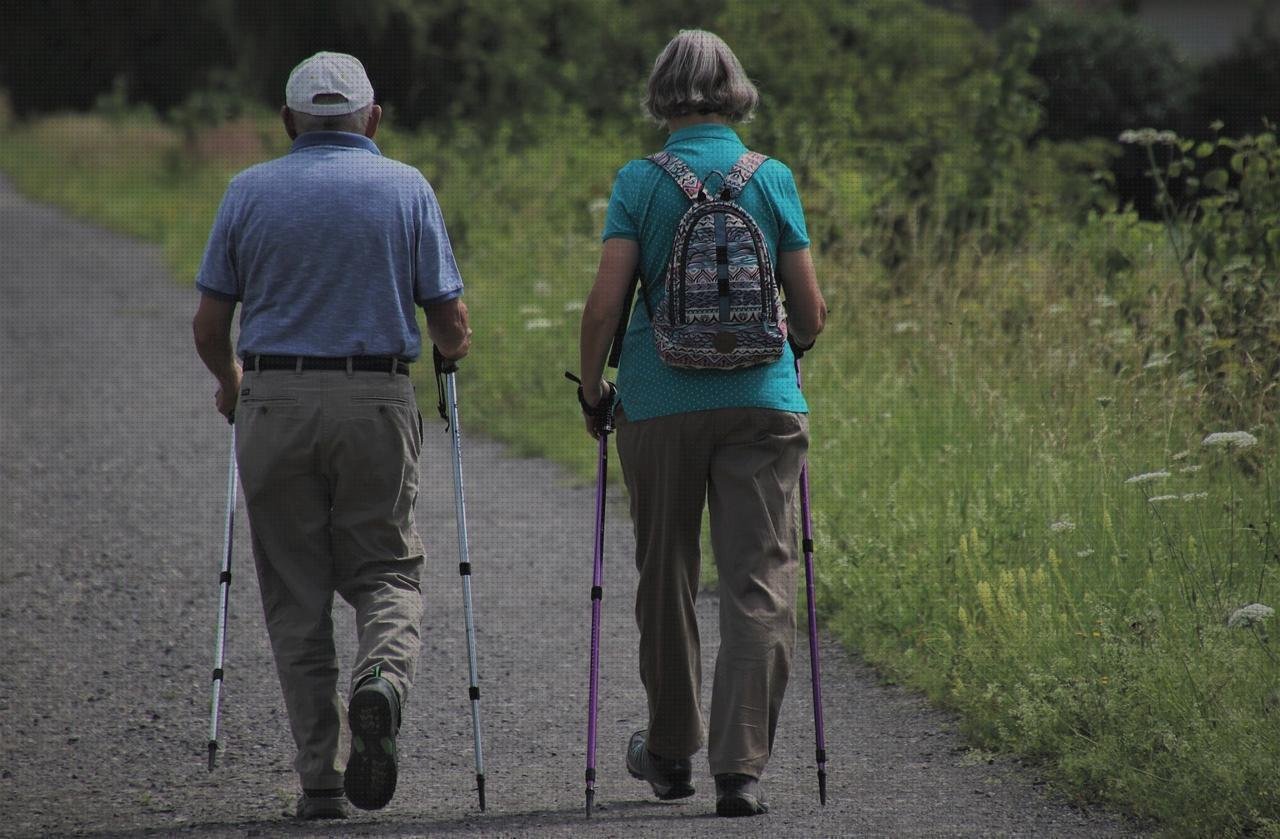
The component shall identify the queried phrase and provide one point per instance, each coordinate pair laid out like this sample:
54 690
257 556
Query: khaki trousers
329 465
745 464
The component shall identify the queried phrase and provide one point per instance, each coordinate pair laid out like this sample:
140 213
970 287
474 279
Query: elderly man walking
329 250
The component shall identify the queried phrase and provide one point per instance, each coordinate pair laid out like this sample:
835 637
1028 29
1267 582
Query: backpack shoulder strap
679 172
742 171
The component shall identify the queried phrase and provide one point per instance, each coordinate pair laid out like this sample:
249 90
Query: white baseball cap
326 76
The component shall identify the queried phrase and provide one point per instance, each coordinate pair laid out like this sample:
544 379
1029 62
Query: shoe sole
370 779
737 806
664 793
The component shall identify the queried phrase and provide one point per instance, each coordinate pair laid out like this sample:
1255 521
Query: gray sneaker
374 714
669 777
321 804
738 795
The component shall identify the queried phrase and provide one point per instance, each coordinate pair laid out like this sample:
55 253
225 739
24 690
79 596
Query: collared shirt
646 206
329 249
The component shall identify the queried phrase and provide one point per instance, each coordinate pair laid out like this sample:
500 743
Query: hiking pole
815 665
224 599
604 410
446 372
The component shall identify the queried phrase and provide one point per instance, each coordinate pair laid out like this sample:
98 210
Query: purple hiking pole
597 582
815 665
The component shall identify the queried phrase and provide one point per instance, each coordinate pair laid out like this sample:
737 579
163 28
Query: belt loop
297 366
350 367
395 362
257 363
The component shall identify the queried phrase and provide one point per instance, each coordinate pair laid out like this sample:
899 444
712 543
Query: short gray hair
354 122
697 73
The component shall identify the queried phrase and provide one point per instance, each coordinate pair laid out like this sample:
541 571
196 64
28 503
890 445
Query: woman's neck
676 123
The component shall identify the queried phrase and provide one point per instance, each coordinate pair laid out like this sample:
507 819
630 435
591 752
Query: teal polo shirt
645 207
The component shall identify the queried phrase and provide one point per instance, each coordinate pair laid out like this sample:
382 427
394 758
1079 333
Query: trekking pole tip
480 790
822 786
591 797
213 753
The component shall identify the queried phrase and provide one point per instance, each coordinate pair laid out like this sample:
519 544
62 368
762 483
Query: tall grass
1015 510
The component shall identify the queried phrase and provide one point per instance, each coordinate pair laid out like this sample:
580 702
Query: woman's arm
601 312
806 309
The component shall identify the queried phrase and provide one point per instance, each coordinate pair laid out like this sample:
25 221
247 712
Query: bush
1227 238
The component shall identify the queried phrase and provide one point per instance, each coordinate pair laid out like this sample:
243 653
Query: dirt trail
112 483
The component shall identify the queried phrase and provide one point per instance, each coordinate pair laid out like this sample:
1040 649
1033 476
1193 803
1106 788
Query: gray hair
697 73
354 122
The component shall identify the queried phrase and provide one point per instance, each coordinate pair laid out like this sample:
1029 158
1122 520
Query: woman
735 439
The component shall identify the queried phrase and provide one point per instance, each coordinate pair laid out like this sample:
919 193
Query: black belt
363 363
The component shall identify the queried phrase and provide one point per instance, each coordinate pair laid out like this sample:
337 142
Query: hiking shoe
322 804
669 777
738 795
374 714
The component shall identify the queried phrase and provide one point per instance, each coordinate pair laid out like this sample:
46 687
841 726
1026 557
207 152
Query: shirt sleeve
618 221
792 230
217 276
437 278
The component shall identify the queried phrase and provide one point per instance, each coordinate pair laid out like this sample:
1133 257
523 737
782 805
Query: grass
978 534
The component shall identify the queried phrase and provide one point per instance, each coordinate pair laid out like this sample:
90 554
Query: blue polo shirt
646 206
329 249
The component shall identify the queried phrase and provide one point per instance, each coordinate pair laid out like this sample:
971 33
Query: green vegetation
1017 510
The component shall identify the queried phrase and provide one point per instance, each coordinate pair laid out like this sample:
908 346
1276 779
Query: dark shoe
738 795
669 777
374 714
322 804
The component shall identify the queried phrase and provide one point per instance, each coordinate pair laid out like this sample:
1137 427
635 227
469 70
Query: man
328 250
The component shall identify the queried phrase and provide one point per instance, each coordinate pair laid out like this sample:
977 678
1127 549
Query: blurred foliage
1226 235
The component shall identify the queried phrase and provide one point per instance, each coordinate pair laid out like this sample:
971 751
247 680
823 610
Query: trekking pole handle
442 364
602 411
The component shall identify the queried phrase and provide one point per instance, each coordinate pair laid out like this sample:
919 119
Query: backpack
722 308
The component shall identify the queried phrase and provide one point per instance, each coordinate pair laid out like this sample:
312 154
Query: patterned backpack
722 310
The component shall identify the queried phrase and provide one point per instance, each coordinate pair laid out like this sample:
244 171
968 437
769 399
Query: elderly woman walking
708 413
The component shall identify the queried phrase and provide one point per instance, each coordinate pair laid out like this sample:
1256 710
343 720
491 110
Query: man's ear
375 118
286 116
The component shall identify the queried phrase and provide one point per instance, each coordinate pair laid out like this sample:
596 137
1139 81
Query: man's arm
449 327
212 330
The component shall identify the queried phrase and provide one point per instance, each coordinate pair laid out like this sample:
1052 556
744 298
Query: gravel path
112 484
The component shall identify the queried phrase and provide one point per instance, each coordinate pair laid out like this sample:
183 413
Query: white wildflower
538 323
1058 309
1192 469
542 287
1194 496
1160 499
1158 360
573 306
598 205
1182 455
1062 526
1084 554
905 326
1105 302
1246 616
1230 439
530 310
1147 477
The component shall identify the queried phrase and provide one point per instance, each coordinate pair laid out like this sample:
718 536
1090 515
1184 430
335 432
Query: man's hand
228 393
448 325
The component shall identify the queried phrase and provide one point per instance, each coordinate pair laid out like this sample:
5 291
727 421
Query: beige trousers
329 465
745 464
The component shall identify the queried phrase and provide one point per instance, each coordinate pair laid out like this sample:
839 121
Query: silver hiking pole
447 368
224 599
